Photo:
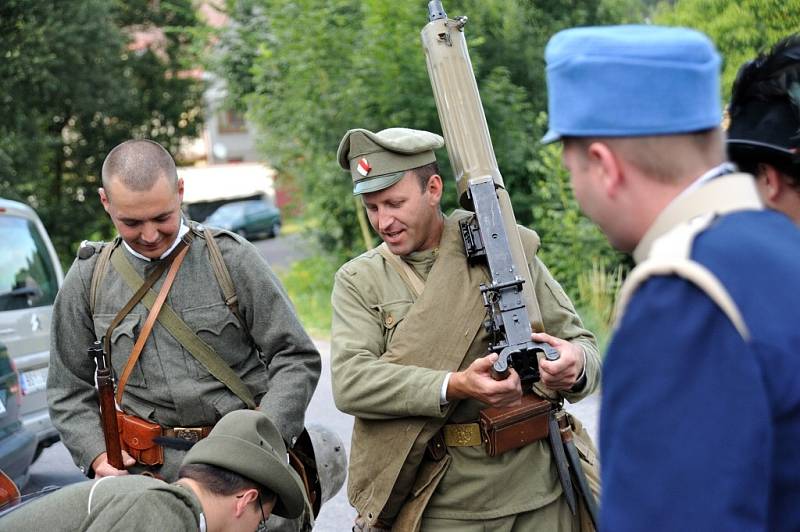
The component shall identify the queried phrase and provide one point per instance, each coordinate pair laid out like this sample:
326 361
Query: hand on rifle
102 468
561 374
477 382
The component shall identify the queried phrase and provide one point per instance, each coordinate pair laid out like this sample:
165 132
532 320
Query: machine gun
491 236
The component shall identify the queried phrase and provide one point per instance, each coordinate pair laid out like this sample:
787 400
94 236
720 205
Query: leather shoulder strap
150 321
198 348
406 272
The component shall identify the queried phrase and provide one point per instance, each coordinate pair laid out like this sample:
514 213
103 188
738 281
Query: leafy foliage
71 88
739 28
308 70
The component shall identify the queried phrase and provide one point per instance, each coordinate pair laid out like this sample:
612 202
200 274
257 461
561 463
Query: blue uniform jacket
699 429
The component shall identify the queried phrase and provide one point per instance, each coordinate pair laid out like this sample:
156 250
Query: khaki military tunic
168 385
126 504
369 300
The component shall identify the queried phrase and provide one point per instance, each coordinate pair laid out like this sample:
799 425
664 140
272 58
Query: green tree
739 28
72 87
309 70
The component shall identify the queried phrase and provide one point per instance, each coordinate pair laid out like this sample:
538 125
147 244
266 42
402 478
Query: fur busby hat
765 109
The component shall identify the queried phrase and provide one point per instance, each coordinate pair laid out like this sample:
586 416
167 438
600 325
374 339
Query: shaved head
138 164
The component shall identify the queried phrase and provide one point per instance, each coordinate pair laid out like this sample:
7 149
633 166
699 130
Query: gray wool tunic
130 504
168 385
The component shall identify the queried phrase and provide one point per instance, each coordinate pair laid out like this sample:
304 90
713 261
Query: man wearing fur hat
701 404
764 130
409 360
230 481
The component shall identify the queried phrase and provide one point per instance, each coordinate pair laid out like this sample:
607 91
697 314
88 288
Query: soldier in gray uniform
409 360
232 480
254 334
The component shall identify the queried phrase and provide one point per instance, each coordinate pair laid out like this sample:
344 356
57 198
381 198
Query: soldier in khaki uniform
407 361
264 346
230 481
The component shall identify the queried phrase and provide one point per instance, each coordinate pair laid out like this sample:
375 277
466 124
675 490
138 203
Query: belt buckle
462 435
189 434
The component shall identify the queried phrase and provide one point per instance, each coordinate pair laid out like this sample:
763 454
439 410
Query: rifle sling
151 318
198 348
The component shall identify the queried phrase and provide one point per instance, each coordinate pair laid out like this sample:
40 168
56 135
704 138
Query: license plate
33 381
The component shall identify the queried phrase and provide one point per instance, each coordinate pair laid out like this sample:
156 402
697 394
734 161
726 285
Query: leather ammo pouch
507 428
136 436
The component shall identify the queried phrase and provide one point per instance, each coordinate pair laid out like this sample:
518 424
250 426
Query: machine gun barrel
513 309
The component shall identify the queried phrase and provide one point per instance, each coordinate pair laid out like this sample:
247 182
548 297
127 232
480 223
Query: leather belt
462 435
190 434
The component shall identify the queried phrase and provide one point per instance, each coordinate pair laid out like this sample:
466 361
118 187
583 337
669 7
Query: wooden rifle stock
108 409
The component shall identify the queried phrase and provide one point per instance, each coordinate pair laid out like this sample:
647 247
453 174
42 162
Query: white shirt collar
719 170
202 522
181 231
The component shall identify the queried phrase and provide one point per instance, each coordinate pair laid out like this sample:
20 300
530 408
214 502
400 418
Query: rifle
108 408
491 236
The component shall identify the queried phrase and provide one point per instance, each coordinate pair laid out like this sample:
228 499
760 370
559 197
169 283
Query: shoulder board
200 230
88 249
369 258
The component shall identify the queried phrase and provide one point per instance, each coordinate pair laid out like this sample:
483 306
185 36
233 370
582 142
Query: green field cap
246 442
379 160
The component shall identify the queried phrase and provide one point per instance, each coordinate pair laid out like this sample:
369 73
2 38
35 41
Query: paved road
55 466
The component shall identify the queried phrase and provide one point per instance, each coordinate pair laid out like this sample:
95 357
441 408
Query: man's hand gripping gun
491 236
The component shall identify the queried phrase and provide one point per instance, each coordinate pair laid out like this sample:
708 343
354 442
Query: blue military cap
625 81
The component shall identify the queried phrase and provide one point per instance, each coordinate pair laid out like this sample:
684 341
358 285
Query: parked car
17 445
249 218
30 276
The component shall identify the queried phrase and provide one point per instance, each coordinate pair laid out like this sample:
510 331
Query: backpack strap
223 276
99 271
412 280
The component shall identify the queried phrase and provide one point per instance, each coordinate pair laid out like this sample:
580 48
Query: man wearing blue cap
701 389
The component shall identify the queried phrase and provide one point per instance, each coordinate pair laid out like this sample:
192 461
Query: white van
30 276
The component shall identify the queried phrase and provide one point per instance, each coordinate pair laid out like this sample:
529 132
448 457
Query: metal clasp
189 434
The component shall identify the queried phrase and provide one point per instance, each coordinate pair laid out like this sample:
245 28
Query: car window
227 212
255 207
27 276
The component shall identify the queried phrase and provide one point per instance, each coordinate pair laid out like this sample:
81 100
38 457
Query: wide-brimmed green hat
246 442
379 160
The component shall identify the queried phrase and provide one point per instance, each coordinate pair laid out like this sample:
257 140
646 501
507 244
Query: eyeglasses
263 523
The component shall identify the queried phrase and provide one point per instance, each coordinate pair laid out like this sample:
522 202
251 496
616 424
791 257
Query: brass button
389 320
